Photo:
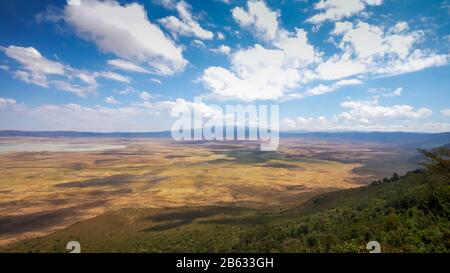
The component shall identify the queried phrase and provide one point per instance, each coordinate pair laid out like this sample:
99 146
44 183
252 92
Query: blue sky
92 65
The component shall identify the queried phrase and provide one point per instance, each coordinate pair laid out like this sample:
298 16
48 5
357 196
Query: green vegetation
405 214
408 214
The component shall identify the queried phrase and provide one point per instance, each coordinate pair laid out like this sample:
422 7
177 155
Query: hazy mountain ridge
404 139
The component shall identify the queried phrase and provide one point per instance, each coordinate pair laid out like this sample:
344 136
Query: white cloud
176 26
73 2
348 82
34 78
416 61
73 88
145 95
7 102
199 44
384 92
258 73
370 116
399 27
75 117
200 107
369 50
368 111
319 90
305 123
126 32
334 124
127 66
323 89
223 49
367 40
112 76
168 4
156 81
187 26
259 18
335 10
396 93
36 67
288 123
289 62
81 118
111 100
338 67
220 36
127 90
298 52
38 70
446 112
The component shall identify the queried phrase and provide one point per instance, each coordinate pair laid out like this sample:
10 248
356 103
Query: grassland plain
405 214
43 192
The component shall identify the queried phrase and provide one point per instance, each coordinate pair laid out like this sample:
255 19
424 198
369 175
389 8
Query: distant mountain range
404 139
13 133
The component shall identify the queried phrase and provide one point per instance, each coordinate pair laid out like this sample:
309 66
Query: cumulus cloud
370 116
35 66
339 67
259 18
111 100
206 110
335 10
145 95
223 49
7 102
368 111
323 89
374 51
416 61
126 31
75 117
258 73
321 124
287 65
37 69
446 112
188 25
399 27
367 40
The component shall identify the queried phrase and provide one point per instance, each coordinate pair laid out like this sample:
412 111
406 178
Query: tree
437 160
395 177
